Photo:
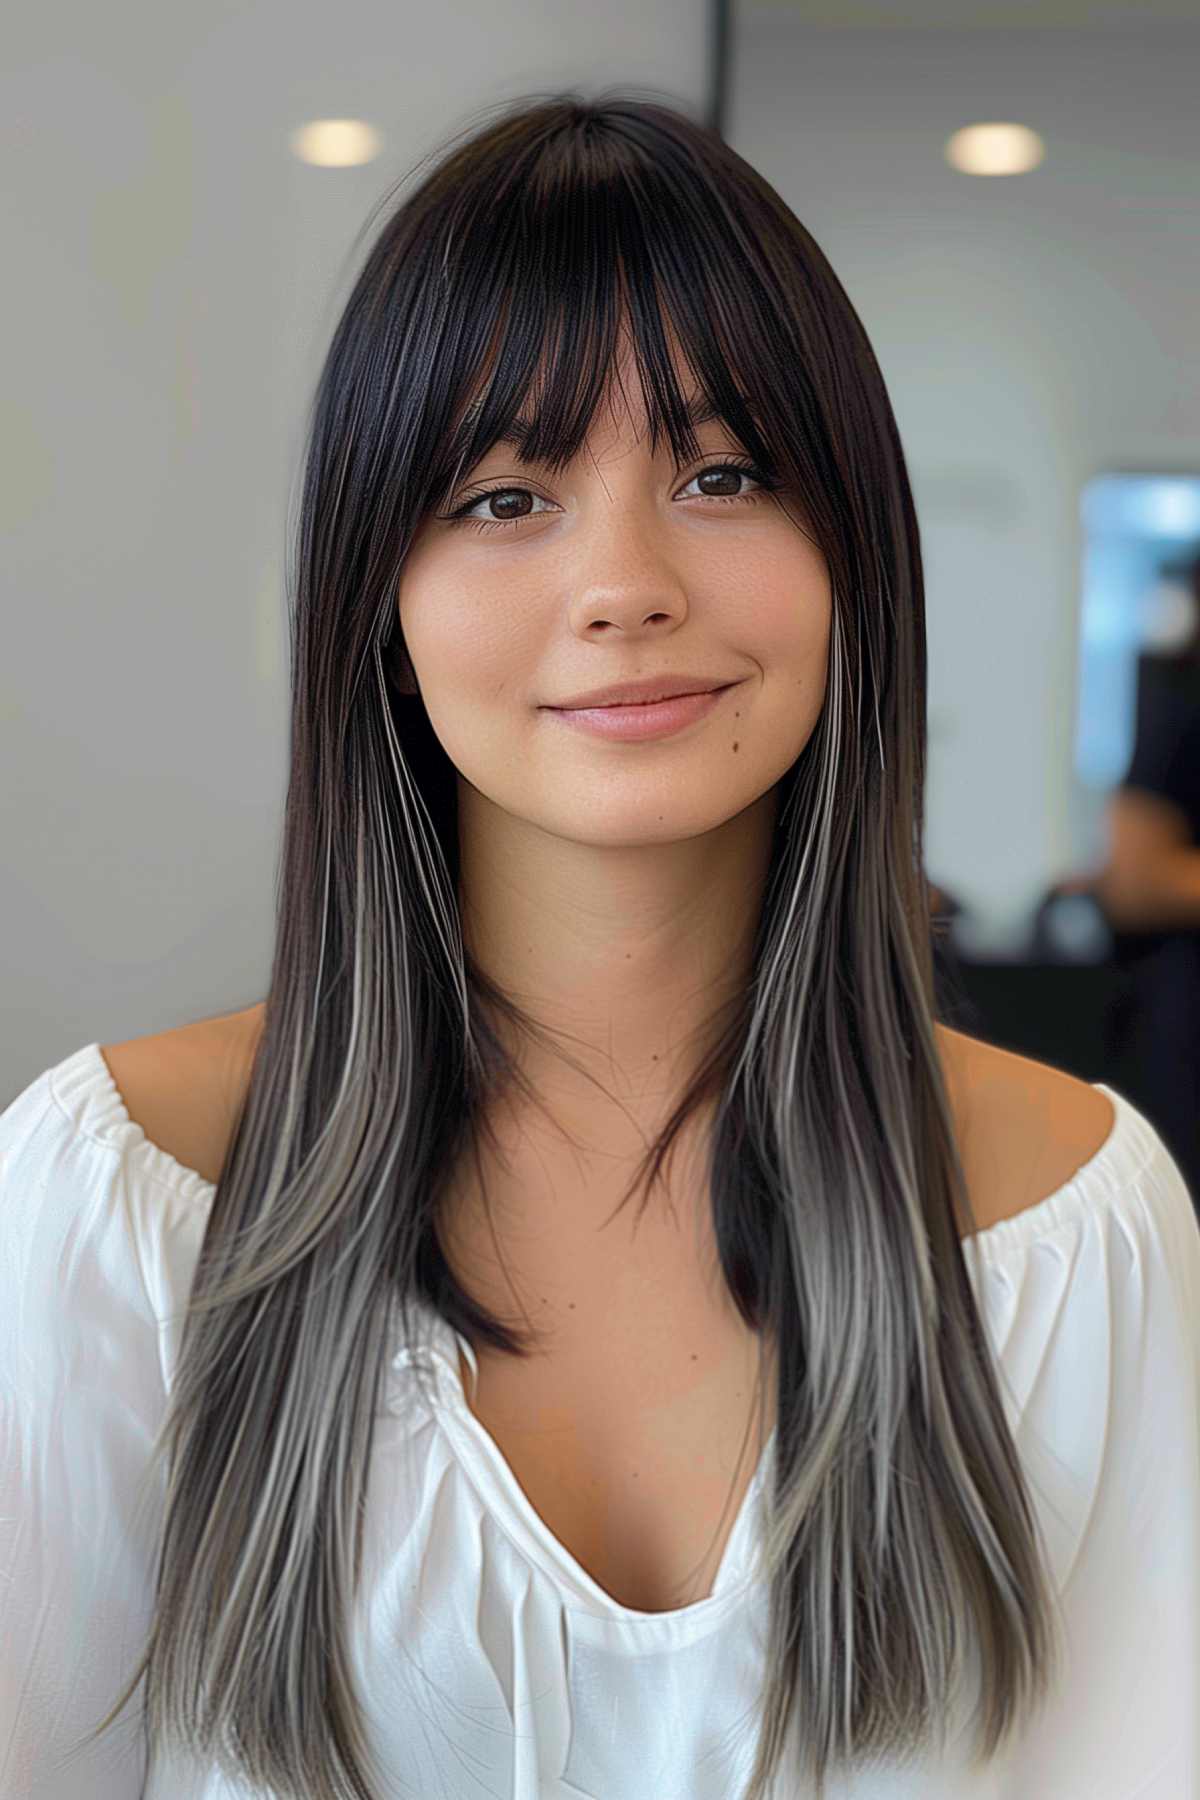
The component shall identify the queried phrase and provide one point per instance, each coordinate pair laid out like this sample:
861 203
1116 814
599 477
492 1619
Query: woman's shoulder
185 1085
1024 1128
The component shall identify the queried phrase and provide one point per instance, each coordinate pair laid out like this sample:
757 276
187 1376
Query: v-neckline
511 1509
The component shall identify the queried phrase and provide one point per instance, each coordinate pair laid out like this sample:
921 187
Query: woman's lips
654 720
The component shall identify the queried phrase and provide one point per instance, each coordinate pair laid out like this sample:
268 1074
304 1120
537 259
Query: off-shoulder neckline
84 1087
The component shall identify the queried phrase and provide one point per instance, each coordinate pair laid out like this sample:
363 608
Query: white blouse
490 1663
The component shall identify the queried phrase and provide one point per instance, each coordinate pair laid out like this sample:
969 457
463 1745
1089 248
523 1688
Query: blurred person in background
1148 885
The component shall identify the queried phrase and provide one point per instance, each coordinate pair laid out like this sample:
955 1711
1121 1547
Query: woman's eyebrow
699 410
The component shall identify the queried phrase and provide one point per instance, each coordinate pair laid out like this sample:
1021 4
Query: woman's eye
731 473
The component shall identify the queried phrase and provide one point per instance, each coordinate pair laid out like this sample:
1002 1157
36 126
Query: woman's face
622 567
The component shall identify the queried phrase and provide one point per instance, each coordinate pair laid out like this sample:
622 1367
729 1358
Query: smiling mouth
660 700
627 705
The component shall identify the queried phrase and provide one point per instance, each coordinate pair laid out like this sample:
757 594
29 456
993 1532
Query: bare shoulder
1024 1128
184 1086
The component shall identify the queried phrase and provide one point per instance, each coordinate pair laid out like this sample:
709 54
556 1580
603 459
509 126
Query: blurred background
1009 192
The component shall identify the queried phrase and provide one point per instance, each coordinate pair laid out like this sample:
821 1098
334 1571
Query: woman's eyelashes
460 515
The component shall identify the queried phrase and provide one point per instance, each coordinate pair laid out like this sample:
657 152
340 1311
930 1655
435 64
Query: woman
1148 887
733 1505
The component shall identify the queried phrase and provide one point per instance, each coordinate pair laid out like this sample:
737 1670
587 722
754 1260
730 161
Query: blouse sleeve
81 1398
1094 1308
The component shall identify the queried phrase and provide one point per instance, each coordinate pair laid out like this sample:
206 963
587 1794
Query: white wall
1033 331
172 276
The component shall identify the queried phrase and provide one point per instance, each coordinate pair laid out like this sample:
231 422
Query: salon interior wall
172 276
1033 330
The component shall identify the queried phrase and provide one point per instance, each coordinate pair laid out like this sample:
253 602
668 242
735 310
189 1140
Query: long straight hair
899 1531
